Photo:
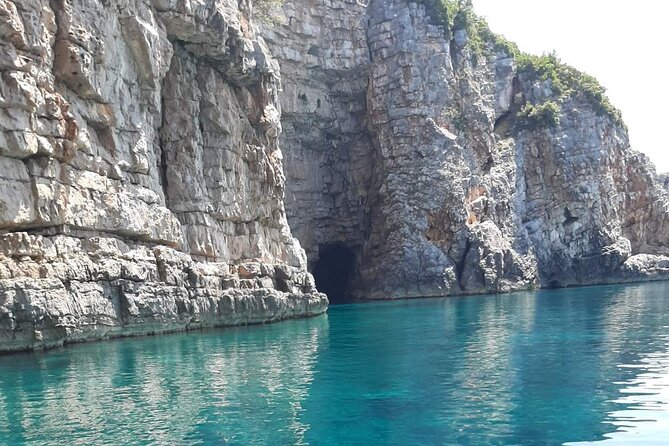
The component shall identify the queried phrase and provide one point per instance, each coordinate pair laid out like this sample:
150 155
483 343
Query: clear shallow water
577 365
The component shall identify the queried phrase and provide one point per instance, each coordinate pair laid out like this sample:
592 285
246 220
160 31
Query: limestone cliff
141 184
448 163
142 180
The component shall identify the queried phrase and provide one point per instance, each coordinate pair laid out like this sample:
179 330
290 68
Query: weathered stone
134 137
644 266
401 145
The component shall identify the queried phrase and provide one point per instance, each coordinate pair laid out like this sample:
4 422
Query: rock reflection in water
182 389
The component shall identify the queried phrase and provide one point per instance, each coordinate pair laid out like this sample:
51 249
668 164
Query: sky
622 43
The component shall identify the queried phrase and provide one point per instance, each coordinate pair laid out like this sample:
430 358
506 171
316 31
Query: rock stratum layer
141 185
142 182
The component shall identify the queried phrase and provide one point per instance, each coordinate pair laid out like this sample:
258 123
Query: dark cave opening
333 271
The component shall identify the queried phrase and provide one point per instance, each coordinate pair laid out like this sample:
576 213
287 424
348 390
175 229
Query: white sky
622 43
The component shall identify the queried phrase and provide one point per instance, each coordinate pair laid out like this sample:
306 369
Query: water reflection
642 408
576 365
200 388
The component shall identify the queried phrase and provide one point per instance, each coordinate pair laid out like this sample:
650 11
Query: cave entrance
334 270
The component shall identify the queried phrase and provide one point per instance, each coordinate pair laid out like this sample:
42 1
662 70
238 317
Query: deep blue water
543 368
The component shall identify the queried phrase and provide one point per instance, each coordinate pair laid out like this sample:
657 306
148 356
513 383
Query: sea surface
576 366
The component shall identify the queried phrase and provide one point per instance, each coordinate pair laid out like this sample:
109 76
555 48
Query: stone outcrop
404 143
75 287
141 182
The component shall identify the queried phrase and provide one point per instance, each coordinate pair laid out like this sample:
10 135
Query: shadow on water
570 365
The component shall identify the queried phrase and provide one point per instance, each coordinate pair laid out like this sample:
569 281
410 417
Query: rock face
405 145
141 183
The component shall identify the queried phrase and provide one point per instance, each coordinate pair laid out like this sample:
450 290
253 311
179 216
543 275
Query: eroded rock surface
141 183
403 143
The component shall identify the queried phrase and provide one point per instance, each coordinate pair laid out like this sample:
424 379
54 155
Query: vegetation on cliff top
454 15
565 80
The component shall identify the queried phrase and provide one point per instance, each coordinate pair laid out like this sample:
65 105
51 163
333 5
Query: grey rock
139 165
400 144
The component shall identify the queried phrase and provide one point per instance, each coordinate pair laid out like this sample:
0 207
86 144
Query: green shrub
566 81
438 10
457 118
546 114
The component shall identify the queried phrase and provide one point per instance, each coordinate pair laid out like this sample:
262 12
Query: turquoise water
576 365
